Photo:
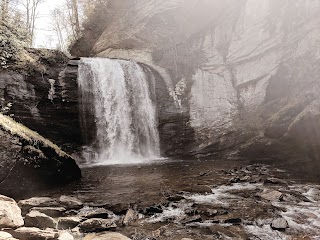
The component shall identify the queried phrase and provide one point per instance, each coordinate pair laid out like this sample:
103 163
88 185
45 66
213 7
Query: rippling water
147 184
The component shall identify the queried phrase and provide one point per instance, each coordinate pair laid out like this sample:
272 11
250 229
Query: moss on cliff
26 134
30 162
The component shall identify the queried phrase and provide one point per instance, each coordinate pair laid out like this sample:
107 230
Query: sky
43 24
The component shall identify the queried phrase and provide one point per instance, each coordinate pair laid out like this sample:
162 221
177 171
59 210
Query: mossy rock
29 162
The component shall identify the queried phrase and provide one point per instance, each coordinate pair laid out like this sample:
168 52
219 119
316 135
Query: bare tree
59 27
67 20
31 13
78 11
75 11
4 9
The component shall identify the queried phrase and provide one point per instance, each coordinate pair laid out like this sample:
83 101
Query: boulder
153 210
95 213
310 215
130 216
106 236
5 236
10 213
245 179
97 224
294 196
39 220
70 202
31 233
207 211
271 195
30 162
76 233
156 233
68 222
50 211
27 204
119 208
279 224
65 236
275 181
175 198
235 180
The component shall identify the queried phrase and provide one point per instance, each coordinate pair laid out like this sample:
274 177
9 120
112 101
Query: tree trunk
76 17
27 6
33 20
4 9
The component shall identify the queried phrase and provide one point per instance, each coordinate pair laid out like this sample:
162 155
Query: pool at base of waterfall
90 158
203 199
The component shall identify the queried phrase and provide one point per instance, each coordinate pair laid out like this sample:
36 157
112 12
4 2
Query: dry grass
17 129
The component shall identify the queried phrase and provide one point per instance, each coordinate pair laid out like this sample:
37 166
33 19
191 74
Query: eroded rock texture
241 74
44 96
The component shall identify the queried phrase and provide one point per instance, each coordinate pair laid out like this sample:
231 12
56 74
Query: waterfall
117 104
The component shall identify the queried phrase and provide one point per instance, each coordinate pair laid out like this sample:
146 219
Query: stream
203 199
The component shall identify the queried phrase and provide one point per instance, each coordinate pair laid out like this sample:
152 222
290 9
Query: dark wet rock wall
44 97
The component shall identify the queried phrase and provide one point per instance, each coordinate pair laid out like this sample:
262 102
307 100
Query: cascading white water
116 95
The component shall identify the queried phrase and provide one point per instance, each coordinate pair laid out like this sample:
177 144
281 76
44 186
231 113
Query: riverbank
180 199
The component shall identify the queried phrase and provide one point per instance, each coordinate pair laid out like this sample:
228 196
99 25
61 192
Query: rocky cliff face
40 92
241 74
30 162
44 96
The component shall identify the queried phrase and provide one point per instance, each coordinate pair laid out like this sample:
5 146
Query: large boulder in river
97 224
39 220
30 162
10 213
6 236
279 224
32 233
27 204
50 211
70 202
68 222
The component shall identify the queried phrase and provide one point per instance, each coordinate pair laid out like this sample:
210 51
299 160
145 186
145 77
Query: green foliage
12 41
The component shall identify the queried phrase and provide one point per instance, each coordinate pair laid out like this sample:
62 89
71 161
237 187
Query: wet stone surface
263 203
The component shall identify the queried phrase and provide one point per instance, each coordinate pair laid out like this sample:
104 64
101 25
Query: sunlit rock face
237 70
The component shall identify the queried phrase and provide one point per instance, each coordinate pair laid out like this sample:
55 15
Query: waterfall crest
116 101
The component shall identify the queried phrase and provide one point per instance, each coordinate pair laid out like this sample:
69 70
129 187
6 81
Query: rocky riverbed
232 201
